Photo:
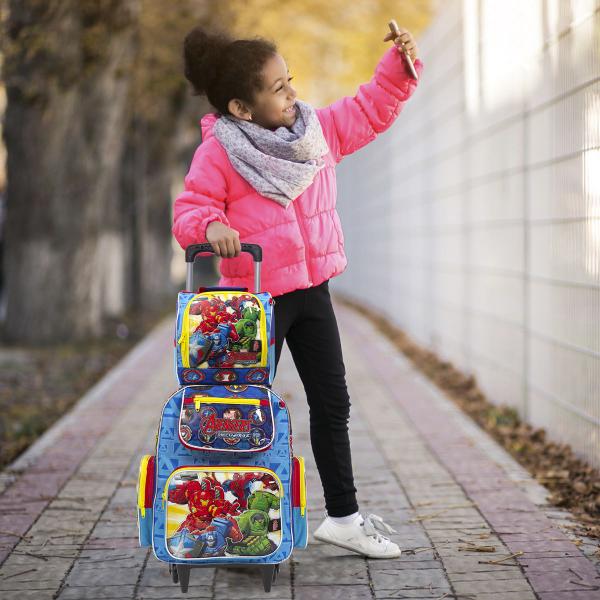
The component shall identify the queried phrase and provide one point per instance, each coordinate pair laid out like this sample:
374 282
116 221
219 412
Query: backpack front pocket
222 511
226 424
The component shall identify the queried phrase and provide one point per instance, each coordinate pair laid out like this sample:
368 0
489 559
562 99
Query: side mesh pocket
145 499
299 516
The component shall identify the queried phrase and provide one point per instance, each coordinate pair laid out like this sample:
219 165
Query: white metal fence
474 222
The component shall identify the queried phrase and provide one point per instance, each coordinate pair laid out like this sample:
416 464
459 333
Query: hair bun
223 68
202 53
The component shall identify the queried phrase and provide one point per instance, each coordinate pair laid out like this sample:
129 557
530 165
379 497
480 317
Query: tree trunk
163 111
146 190
67 90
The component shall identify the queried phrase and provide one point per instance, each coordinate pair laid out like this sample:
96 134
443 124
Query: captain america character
241 486
211 346
226 331
211 542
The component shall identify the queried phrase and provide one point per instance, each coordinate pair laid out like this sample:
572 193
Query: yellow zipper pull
302 485
142 484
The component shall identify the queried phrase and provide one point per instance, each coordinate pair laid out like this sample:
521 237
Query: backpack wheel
183 574
268 575
174 574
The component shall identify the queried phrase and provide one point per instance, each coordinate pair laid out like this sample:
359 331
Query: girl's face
272 104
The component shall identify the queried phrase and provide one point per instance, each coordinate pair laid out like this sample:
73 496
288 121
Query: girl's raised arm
202 201
353 121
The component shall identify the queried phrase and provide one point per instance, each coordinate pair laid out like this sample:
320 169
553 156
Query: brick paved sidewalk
67 509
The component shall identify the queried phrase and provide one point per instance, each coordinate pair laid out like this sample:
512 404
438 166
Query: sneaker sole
348 547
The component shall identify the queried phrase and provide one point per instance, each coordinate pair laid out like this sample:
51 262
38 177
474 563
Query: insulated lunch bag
224 335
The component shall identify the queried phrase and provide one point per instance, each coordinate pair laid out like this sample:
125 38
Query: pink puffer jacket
303 244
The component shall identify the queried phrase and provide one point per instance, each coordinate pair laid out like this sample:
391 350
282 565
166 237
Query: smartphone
394 29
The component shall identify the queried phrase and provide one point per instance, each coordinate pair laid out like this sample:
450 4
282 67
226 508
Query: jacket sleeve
202 201
353 121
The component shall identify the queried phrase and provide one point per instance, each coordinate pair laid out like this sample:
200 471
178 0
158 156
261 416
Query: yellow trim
184 338
198 400
302 484
209 469
143 474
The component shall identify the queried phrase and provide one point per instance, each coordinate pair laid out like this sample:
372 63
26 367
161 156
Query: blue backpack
224 486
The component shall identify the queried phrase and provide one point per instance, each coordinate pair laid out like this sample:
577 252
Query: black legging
305 318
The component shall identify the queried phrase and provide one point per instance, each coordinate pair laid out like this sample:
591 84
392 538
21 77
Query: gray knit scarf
278 164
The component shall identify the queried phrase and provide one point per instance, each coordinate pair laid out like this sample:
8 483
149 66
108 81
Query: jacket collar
207 122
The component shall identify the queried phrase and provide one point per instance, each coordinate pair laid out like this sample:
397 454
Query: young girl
265 174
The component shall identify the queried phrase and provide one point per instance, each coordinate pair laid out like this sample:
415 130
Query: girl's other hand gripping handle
224 240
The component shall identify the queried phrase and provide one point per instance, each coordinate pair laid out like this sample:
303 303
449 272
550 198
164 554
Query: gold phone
394 29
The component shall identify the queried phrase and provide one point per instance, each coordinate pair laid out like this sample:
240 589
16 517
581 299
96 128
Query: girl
265 173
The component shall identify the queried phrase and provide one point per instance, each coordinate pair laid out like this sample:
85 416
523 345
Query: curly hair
223 68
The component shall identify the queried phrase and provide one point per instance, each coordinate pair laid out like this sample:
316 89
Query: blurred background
480 205
483 203
99 127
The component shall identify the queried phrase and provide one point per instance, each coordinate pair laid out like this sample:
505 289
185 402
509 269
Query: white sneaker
363 536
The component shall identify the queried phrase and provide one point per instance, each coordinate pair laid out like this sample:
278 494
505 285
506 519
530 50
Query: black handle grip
192 251
221 289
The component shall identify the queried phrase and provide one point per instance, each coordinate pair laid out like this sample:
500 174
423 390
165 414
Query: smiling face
270 104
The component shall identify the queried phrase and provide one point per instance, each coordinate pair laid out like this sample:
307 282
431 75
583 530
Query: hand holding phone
395 33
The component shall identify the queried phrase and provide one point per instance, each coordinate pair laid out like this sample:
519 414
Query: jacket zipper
310 282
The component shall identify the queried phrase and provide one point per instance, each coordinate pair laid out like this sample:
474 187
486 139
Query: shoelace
374 525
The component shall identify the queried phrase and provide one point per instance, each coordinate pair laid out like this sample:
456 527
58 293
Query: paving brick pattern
67 521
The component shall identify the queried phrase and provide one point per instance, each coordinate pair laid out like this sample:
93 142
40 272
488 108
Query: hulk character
254 525
261 500
246 329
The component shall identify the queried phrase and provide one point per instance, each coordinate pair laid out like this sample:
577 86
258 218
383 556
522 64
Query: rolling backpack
223 486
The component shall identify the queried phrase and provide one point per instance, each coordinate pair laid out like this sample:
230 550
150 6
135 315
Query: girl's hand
404 40
224 240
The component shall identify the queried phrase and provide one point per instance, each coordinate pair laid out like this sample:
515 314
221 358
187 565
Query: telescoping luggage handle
192 251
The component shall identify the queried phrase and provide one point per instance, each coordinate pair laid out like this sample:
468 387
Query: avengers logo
192 375
212 424
223 375
186 433
236 388
256 375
